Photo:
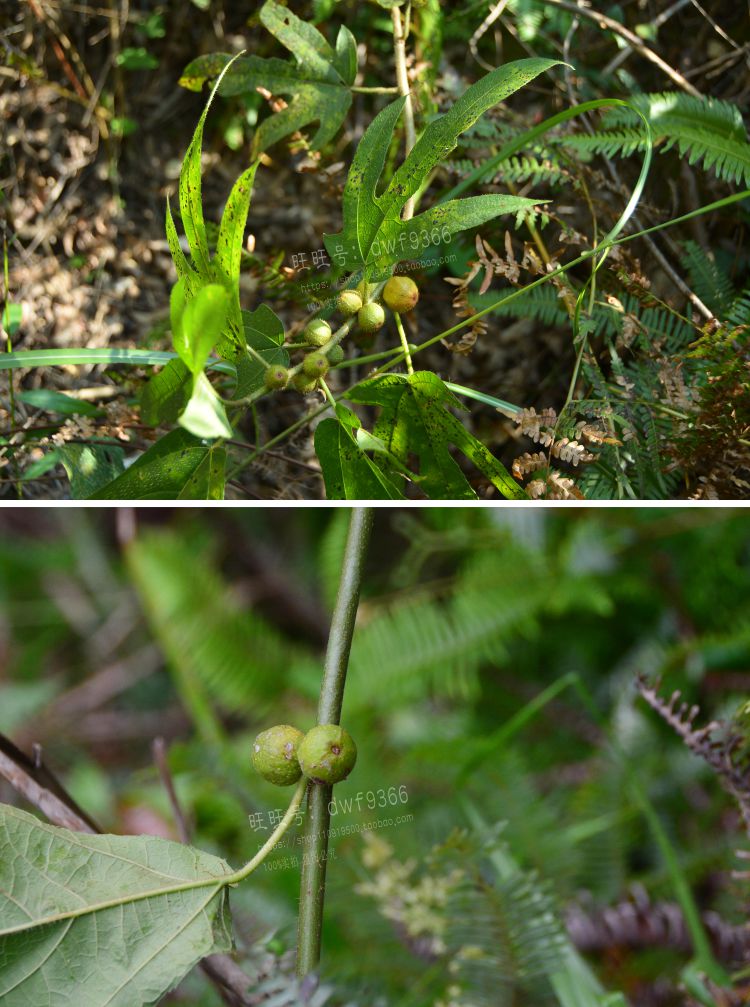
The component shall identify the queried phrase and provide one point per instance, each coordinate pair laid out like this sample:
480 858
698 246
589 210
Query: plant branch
404 343
312 886
398 355
633 41
32 779
402 79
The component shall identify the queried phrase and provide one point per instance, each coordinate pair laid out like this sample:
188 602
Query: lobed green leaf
349 473
414 421
372 223
116 920
167 471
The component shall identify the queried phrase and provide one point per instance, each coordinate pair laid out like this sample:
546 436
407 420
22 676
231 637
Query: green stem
327 392
312 885
404 343
374 90
275 836
253 353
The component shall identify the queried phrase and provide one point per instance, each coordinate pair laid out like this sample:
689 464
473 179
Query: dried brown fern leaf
639 924
717 743
554 486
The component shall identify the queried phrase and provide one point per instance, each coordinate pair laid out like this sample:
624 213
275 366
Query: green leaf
11 318
345 59
204 69
184 269
415 421
90 466
191 199
372 221
200 324
57 402
100 356
263 331
204 415
316 83
116 920
229 242
348 472
396 240
208 480
177 301
165 395
136 58
224 270
43 465
165 472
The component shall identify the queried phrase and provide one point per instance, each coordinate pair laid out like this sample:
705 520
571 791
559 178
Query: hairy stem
404 343
402 79
312 886
275 836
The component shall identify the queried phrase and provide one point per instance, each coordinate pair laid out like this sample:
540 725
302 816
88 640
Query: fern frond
640 924
437 645
221 653
502 937
716 743
518 169
706 130
431 646
541 303
710 283
739 312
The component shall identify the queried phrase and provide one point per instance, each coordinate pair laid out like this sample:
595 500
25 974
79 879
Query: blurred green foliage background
204 627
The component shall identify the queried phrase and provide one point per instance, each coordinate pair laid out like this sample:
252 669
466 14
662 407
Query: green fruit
366 290
336 354
349 302
317 332
327 754
276 377
315 365
275 754
371 317
304 384
401 294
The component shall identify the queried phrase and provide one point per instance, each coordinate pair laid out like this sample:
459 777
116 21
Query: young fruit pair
282 754
400 294
314 366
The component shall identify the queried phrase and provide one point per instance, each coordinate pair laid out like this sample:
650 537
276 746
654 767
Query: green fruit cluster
326 754
400 294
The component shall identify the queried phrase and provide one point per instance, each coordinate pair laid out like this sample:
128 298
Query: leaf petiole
273 839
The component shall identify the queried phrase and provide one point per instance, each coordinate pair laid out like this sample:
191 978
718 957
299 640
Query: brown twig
159 749
230 980
32 779
633 41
